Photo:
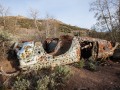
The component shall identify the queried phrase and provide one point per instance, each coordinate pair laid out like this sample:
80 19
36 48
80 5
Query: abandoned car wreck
60 51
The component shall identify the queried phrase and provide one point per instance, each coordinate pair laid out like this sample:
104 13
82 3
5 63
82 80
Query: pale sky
73 12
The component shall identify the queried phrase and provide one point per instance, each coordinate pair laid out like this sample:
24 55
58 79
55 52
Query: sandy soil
106 78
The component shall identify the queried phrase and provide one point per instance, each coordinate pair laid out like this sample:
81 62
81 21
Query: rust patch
74 47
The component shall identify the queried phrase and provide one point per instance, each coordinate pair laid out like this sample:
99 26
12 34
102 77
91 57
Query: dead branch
6 74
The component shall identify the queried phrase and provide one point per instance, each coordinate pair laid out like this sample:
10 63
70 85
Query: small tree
107 16
4 12
51 26
34 13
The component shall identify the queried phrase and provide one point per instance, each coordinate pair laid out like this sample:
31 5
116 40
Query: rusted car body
99 48
61 51
33 56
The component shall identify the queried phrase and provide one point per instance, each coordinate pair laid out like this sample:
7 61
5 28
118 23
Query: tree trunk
35 21
119 14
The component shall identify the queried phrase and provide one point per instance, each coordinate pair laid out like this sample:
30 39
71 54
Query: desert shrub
56 80
6 41
28 23
60 76
43 79
91 64
80 64
24 80
21 84
25 23
5 36
42 84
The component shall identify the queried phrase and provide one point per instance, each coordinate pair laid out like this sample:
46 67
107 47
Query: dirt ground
106 78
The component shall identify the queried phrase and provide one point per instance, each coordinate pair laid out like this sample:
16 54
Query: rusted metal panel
33 56
104 48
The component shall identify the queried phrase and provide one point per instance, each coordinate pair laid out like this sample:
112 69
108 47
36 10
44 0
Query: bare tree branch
34 13
108 15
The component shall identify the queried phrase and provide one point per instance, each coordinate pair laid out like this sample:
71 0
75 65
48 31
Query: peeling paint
102 49
32 55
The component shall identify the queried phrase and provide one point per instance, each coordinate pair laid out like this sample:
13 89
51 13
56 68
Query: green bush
80 64
56 80
91 64
43 79
21 84
42 84
5 36
6 41
60 76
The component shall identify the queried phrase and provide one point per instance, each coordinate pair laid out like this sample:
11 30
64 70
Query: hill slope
50 25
